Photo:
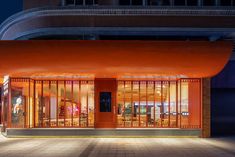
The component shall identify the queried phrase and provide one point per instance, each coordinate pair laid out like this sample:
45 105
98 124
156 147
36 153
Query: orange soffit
114 58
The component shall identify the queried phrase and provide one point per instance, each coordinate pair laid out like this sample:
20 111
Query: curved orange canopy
114 58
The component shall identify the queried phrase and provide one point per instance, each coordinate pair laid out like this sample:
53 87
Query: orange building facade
111 74
84 84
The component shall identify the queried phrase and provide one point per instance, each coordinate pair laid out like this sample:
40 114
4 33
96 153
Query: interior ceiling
112 59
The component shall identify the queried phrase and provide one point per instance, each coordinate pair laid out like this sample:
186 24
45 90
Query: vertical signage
5 85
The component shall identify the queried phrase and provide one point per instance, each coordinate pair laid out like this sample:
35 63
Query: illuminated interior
71 103
161 104
45 104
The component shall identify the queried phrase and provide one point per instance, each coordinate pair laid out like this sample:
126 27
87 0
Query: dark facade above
99 21
165 3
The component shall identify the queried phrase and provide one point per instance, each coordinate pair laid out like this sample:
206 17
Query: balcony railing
166 3
113 11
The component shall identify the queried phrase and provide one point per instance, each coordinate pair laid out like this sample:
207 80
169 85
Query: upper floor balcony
132 3
108 19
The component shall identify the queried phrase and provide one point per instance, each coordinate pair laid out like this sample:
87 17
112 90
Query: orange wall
113 58
105 119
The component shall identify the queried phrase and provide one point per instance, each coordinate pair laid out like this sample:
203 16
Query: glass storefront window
46 104
158 103
143 104
38 103
53 103
91 104
120 104
76 103
31 104
84 104
19 103
167 104
128 105
135 101
184 104
173 104
61 103
70 103
150 103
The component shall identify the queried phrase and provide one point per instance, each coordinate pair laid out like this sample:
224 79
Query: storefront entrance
102 103
105 103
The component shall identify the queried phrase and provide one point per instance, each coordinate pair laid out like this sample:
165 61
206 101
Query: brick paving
117 147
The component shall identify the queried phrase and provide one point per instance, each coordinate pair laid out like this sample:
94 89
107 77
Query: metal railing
117 11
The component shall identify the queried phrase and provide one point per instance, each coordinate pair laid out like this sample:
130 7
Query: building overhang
113 59
214 23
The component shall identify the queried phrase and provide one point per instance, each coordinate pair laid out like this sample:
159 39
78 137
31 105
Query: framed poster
105 101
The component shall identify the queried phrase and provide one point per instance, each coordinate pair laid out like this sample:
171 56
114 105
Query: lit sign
5 85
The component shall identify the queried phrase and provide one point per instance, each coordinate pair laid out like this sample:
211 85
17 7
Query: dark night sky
9 7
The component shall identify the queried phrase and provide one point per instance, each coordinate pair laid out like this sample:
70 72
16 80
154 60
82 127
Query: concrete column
206 107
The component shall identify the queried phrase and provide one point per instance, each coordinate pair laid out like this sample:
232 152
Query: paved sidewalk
117 147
